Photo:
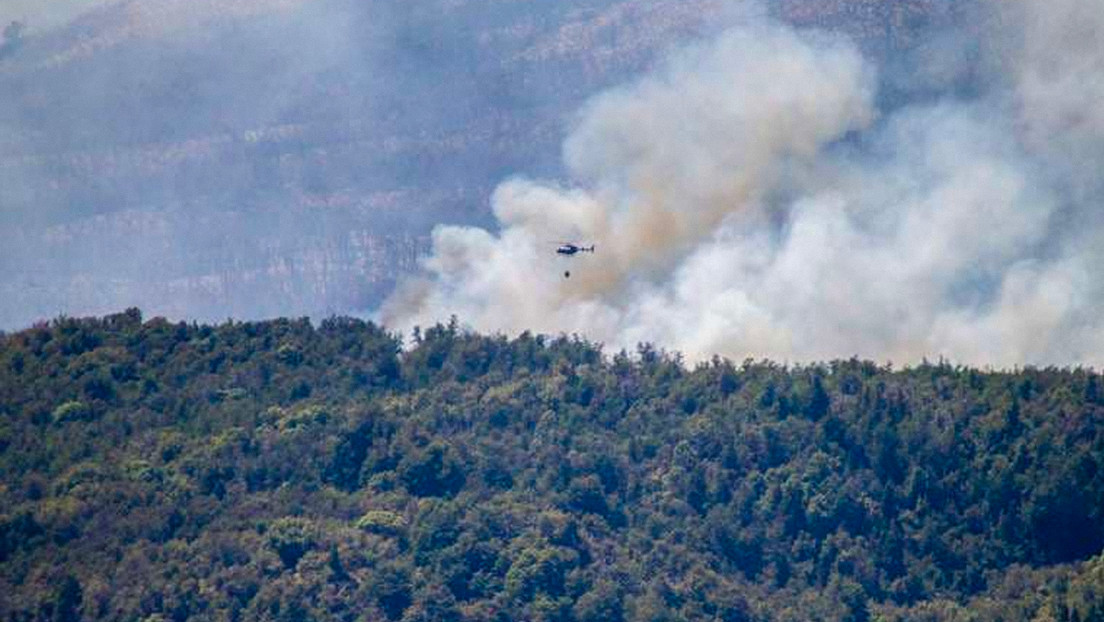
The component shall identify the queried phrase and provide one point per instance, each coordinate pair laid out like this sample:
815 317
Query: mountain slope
279 470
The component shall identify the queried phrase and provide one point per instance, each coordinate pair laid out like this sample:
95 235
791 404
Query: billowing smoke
751 198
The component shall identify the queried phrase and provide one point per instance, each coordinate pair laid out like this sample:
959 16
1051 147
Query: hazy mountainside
284 471
253 157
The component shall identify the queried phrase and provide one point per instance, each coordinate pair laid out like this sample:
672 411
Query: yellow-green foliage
72 410
382 522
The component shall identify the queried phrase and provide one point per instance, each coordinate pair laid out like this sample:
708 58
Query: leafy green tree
66 605
391 588
604 602
291 538
432 471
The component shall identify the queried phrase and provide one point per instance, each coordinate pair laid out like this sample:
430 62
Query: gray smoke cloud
750 198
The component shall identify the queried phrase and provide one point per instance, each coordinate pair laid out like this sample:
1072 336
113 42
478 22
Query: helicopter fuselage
571 249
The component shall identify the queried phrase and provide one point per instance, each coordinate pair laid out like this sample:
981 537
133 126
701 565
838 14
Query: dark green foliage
604 602
66 601
432 471
284 471
291 538
390 586
432 604
17 533
345 466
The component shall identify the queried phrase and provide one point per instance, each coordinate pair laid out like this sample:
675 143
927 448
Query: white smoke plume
748 199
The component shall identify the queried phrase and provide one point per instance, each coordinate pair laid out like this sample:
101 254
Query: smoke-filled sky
930 188
766 193
258 158
42 14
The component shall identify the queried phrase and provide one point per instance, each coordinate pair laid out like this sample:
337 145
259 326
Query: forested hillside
285 471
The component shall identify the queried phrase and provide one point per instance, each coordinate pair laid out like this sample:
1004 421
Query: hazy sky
43 14
256 158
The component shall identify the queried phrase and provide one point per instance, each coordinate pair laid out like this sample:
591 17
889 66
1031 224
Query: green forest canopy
284 471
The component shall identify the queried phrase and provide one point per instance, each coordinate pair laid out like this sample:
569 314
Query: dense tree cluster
279 470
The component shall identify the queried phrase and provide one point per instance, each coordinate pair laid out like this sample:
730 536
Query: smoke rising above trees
755 196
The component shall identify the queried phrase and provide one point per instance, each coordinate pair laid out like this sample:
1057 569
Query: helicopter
568 249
